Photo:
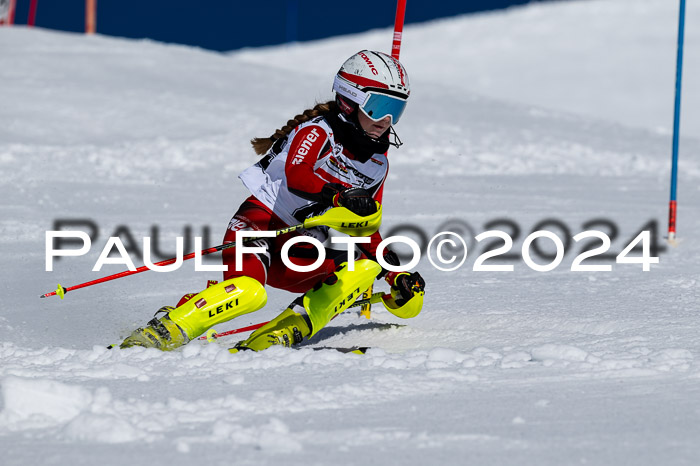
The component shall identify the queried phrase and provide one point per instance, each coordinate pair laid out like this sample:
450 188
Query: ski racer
333 155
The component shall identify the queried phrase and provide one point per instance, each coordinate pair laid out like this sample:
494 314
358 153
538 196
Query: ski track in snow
500 368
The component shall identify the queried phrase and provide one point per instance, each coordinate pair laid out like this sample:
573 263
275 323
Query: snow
612 60
500 368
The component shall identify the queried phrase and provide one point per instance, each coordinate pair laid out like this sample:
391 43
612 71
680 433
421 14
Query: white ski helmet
375 82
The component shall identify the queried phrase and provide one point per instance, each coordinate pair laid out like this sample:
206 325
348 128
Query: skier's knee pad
338 292
219 303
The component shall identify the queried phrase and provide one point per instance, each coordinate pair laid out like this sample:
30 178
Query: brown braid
262 145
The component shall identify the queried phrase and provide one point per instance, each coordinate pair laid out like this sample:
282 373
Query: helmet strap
394 139
355 139
389 137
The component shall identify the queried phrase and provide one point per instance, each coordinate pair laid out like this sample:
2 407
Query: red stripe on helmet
362 81
400 69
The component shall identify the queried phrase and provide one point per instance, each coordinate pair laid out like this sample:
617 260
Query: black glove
357 200
407 285
391 258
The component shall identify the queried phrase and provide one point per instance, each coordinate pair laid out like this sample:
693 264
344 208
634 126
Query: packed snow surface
500 368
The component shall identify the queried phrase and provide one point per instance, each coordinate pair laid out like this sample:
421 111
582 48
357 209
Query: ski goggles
378 106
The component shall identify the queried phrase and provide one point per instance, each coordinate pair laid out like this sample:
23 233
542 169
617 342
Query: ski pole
61 291
212 335
395 52
338 218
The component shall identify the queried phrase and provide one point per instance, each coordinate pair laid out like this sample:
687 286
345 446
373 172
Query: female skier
333 155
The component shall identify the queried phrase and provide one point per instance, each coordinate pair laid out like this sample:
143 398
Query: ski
212 334
340 349
351 349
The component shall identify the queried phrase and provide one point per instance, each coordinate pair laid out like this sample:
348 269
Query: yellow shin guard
216 304
219 303
305 317
339 292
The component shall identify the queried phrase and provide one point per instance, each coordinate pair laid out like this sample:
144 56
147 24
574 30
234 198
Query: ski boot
162 333
195 314
287 329
311 312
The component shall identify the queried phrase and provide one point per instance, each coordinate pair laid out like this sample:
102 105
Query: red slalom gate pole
398 28
10 18
395 52
90 16
31 18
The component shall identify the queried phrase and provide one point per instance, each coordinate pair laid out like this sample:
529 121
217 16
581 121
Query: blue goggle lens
379 106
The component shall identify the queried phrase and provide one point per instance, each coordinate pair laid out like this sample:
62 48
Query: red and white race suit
282 184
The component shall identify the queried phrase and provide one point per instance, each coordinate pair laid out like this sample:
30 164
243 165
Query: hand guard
357 200
406 284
